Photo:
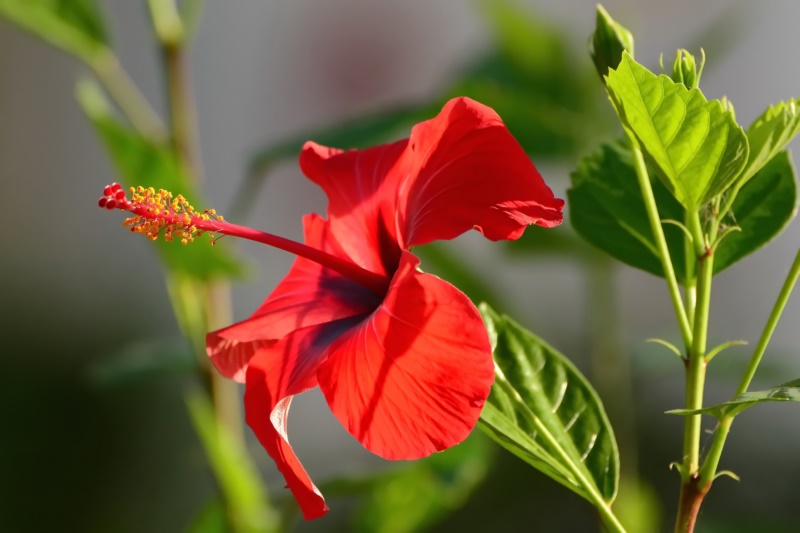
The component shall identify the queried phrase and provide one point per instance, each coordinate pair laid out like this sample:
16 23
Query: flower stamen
159 212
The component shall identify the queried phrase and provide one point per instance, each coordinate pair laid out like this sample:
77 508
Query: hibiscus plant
406 361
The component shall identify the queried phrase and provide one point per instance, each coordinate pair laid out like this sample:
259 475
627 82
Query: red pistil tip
159 213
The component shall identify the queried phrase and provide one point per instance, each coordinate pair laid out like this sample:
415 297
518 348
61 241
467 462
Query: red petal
307 296
413 378
465 170
361 213
274 375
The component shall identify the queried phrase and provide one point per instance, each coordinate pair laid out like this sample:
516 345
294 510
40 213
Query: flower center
156 212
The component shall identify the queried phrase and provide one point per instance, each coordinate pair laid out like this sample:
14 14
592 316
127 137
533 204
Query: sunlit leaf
421 493
695 145
788 392
238 478
140 161
554 392
75 26
769 134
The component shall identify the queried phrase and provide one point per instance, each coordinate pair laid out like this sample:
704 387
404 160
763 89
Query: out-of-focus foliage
75 26
140 161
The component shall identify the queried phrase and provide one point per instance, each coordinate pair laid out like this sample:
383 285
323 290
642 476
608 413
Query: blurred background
94 431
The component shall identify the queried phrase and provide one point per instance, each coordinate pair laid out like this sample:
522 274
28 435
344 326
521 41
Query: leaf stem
711 462
123 90
606 514
661 242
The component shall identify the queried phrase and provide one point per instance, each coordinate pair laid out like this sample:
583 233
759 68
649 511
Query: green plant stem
183 116
709 470
133 105
606 514
690 283
692 493
661 242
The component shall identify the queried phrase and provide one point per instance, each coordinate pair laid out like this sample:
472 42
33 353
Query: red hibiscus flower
402 357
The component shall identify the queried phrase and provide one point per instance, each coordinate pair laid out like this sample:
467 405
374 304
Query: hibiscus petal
413 378
361 213
274 375
464 170
309 295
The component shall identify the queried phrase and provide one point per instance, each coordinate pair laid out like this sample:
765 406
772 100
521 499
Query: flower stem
661 242
611 522
709 469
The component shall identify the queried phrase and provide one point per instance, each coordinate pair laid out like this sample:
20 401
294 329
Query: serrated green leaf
762 209
141 161
769 135
606 208
695 145
238 478
788 392
555 393
75 26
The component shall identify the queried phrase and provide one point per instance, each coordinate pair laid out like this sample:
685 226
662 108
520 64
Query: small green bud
684 69
608 42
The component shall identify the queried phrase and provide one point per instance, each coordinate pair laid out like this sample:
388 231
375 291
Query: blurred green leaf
244 494
788 392
762 209
143 360
769 134
573 433
442 260
417 496
75 26
609 40
541 92
695 145
541 241
140 161
212 519
606 208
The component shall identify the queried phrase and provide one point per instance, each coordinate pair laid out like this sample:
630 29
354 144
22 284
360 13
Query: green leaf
141 161
422 493
788 392
762 209
769 134
695 145
685 70
607 209
573 432
75 26
609 40
361 132
234 470
143 360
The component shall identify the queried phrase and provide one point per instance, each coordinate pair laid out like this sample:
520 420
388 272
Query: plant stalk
709 469
123 90
661 242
